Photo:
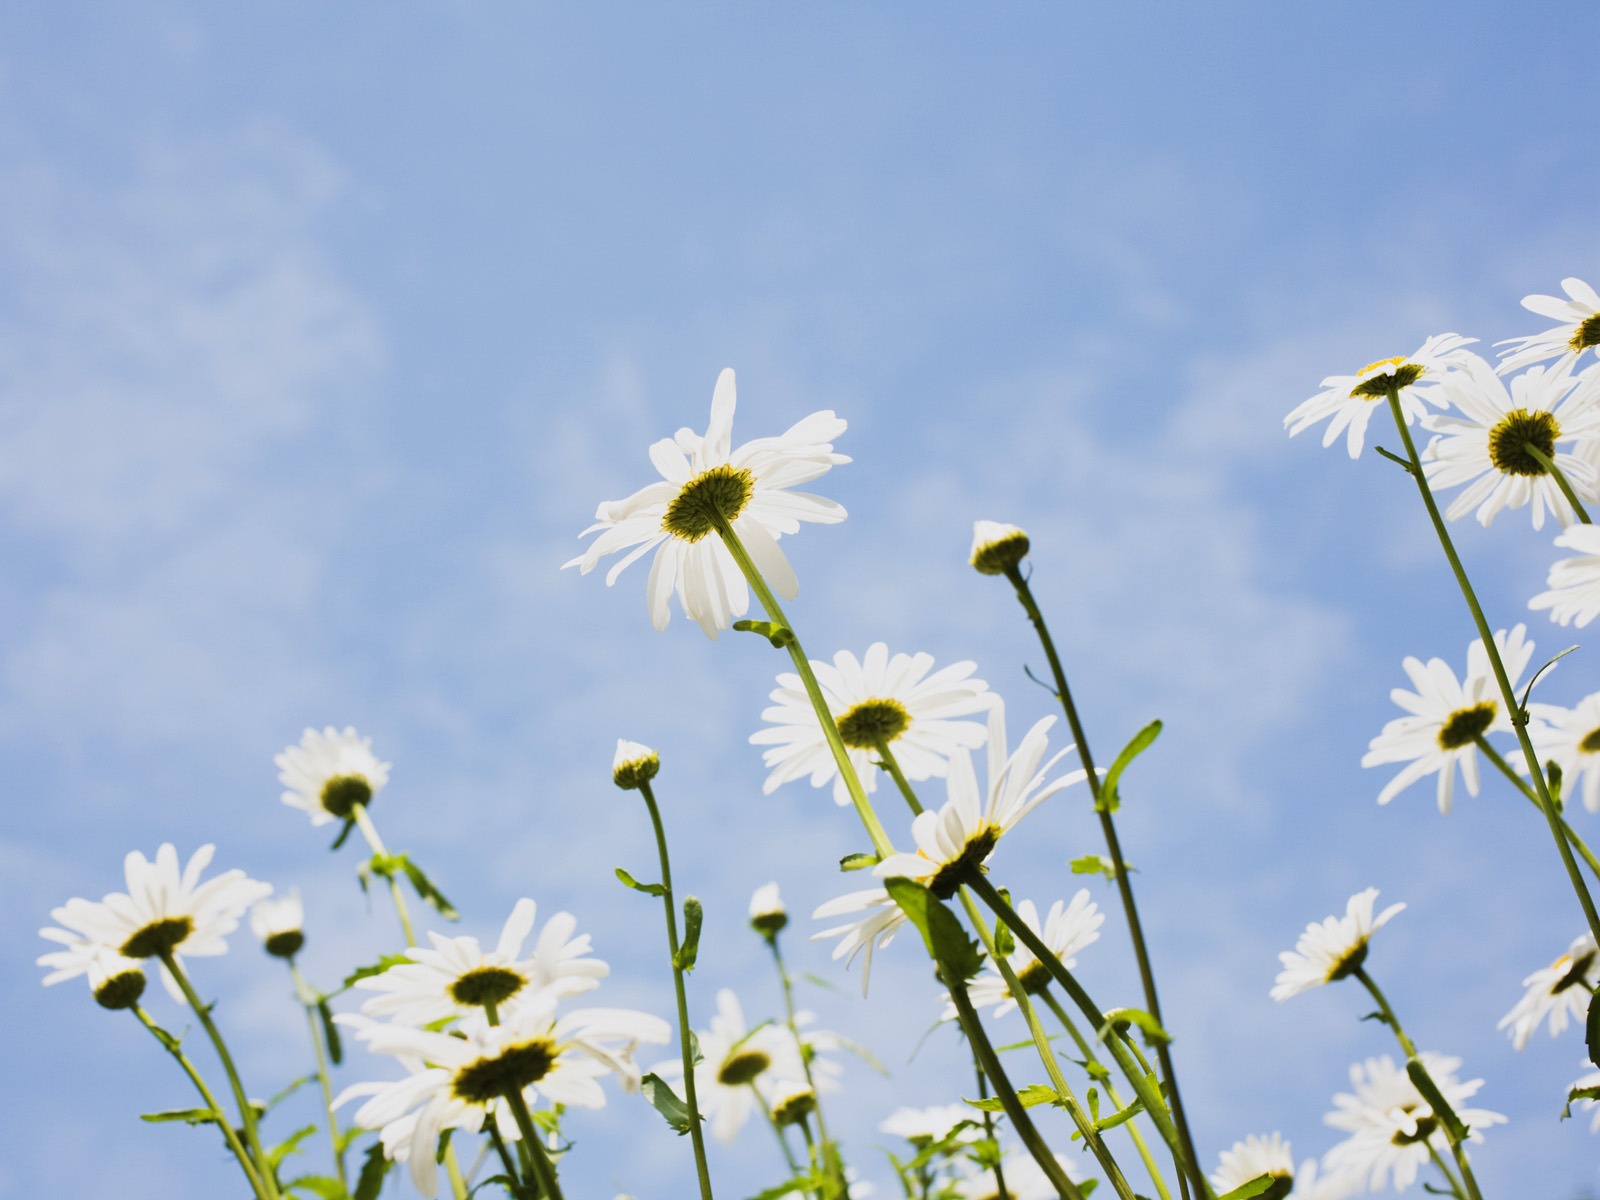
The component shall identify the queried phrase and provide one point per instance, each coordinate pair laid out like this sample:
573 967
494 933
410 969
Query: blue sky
323 331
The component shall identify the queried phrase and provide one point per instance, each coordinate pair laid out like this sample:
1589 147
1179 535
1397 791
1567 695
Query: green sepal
343 834
649 889
858 862
1096 864
1423 1082
693 914
1579 1093
665 1101
319 1186
943 935
370 1182
1259 1186
189 1116
288 1146
330 1032
1109 799
779 635
1148 1025
1034 1093
1591 1030
377 968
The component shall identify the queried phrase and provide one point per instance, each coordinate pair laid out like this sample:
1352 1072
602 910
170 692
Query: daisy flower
279 922
924 1125
1252 1158
1579 328
1390 1125
703 479
740 1068
1352 399
1068 929
1332 948
329 773
874 919
767 913
1025 1178
164 911
1490 446
1560 991
633 765
1447 716
458 978
996 548
876 698
1574 594
459 1078
1571 738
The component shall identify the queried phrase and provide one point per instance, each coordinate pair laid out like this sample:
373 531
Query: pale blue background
324 328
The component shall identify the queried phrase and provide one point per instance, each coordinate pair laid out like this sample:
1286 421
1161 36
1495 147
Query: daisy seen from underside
1570 737
166 910
1025 1178
1445 718
1393 1132
1333 948
329 773
1252 1158
1574 595
1068 928
1503 441
457 977
705 480
1559 992
1348 401
878 698
1577 328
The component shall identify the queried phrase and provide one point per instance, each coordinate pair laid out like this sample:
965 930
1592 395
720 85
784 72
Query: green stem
833 1164
1507 770
1507 695
246 1111
808 678
1007 1095
370 832
777 1132
1449 1176
696 1134
1549 464
988 1132
544 1171
1041 1043
170 1044
1108 829
324 1076
1098 1072
507 1163
892 765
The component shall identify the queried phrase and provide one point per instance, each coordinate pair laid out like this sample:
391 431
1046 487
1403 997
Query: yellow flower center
1393 373
867 724
1586 335
720 492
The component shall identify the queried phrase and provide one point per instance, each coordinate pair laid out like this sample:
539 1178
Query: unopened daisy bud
792 1103
634 765
116 982
996 548
278 922
767 914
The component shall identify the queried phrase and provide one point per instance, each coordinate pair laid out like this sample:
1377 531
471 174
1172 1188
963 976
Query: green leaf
1148 1025
427 892
370 1182
293 1087
649 889
318 1185
330 1032
1591 1030
1579 1093
946 940
189 1116
288 1146
804 1181
504 1181
665 1101
695 1057
377 968
858 862
1117 1118
343 833
692 916
1095 864
1423 1082
1034 1093
1109 799
1259 1186
779 635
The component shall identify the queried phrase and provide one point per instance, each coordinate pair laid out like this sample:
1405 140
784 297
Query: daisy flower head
1025 1178
1570 737
924 1125
279 922
875 700
1574 595
1332 948
740 1068
768 916
1447 716
1350 400
1067 929
873 920
1501 444
705 483
959 837
633 765
996 548
1560 991
1393 1131
1252 1158
1578 327
458 978
329 773
458 1079
165 911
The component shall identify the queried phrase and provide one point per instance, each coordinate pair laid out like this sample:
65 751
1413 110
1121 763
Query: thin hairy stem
369 831
307 995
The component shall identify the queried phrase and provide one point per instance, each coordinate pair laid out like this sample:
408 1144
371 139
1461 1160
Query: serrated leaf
189 1116
858 862
371 969
1034 1093
1094 864
1579 1093
779 635
370 1182
288 1146
330 1033
665 1101
1117 1118
1147 1025
318 1185
427 892
649 889
1259 1186
943 935
1109 799
693 914
1423 1082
